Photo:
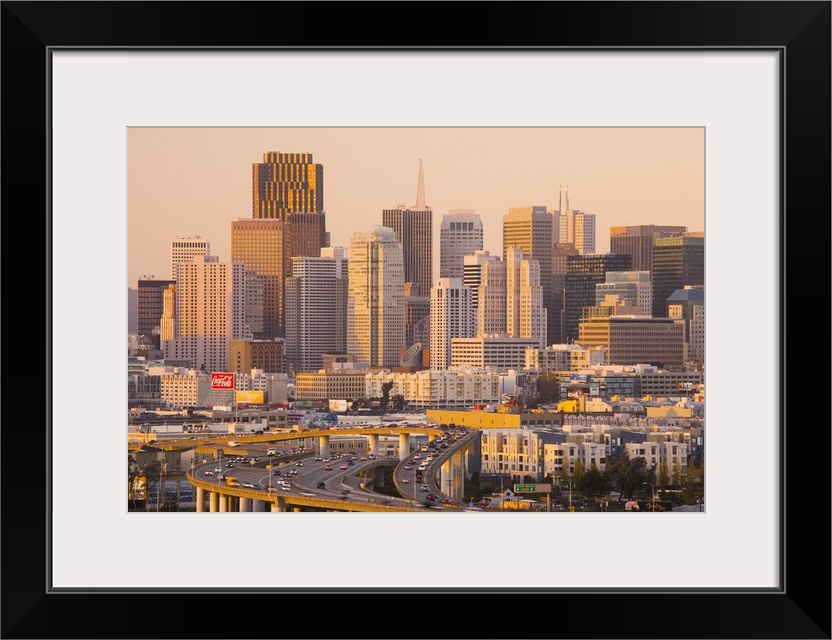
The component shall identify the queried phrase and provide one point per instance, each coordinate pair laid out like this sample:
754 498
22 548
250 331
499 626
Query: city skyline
186 182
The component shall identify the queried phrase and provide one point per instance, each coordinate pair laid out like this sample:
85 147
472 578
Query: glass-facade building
583 272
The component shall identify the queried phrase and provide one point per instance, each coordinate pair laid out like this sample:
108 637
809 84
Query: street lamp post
653 494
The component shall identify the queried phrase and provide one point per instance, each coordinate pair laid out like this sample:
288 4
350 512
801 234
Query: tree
579 471
677 476
565 474
528 479
386 387
629 475
398 402
664 475
594 484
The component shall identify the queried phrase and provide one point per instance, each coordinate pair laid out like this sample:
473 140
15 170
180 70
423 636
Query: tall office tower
450 317
632 288
583 272
532 320
574 226
688 306
259 245
286 183
167 325
525 314
678 262
375 305
472 275
255 304
637 241
560 251
316 311
531 229
414 229
185 249
460 234
491 312
210 311
416 315
289 187
150 304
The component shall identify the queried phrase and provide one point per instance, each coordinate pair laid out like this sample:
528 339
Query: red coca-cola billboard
222 380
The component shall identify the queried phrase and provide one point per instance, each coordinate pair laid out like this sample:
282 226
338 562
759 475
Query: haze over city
194 181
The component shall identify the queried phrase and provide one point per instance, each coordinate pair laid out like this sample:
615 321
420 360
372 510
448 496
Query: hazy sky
195 181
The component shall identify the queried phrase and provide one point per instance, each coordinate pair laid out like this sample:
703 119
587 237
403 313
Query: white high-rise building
491 312
460 234
511 299
375 303
210 311
316 309
450 317
185 250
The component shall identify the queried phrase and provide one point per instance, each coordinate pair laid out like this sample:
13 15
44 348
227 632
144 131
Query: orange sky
195 181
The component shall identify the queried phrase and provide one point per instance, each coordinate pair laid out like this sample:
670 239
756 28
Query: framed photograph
754 77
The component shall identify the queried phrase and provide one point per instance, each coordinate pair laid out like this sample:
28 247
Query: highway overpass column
223 500
458 475
445 475
323 445
276 508
404 446
245 505
373 437
200 499
258 505
214 501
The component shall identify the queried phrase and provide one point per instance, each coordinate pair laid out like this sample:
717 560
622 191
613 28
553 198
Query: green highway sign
532 488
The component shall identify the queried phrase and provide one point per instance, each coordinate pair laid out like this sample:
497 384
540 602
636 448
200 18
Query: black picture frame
800 31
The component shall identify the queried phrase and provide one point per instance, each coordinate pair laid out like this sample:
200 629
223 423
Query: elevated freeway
308 481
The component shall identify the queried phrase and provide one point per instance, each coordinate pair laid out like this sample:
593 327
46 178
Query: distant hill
132 310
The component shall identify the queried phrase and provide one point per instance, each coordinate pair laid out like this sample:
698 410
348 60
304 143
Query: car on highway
405 481
447 500
424 487
209 473
322 485
345 466
328 467
248 485
407 467
432 496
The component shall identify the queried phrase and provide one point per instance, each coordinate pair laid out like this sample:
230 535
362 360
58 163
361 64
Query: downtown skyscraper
287 188
316 309
375 302
531 229
413 227
460 234
210 303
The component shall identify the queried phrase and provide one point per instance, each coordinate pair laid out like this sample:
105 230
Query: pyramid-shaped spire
420 191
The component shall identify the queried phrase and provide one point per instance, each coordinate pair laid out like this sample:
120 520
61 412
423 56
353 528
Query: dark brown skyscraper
289 188
414 229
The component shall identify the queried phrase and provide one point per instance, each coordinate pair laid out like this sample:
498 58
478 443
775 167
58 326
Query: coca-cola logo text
222 380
